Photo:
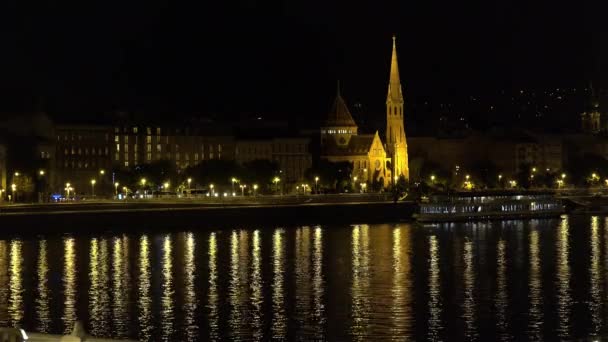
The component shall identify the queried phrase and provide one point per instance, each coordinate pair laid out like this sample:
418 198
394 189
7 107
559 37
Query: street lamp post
211 186
234 180
255 188
116 189
67 190
276 181
143 186
93 187
316 185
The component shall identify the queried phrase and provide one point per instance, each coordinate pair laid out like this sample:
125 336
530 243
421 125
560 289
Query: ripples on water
508 281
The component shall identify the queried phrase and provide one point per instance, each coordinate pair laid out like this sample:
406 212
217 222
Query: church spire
394 85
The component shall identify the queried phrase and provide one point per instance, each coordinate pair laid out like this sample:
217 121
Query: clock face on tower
377 164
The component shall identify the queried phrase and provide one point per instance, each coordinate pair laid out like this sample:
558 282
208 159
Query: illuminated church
373 159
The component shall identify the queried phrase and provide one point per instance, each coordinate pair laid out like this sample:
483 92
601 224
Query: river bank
142 215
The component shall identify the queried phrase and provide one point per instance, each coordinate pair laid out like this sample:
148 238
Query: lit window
116 156
149 139
126 163
148 130
157 130
149 156
196 157
126 148
117 147
149 148
126 139
158 148
116 138
135 130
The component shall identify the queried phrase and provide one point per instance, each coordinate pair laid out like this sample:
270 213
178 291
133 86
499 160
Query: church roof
357 145
339 115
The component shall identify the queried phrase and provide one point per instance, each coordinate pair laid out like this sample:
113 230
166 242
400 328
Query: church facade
373 159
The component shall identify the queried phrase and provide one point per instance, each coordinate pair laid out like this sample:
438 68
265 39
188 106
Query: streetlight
116 189
499 177
102 172
67 190
234 180
93 187
563 175
433 179
166 186
255 188
363 186
211 186
41 172
143 186
276 180
467 177
243 186
316 185
189 182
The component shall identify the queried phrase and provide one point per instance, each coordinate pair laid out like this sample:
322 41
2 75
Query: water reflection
120 300
144 302
535 314
401 287
318 284
3 283
469 292
43 314
257 296
501 290
190 302
167 315
213 294
435 309
98 298
595 289
302 269
564 300
69 284
279 321
360 283
381 282
15 309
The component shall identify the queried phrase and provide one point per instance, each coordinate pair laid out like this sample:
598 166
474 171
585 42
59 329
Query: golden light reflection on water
144 302
119 285
318 283
502 299
43 314
94 291
167 309
235 283
535 315
212 303
69 284
15 308
595 306
469 292
402 283
564 300
3 283
279 321
190 301
257 296
360 281
303 271
435 303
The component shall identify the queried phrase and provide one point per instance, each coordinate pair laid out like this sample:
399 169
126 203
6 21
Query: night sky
282 58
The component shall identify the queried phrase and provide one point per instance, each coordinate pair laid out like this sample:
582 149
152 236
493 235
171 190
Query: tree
332 175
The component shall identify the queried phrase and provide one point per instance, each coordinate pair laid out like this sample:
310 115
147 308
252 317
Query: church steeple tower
395 132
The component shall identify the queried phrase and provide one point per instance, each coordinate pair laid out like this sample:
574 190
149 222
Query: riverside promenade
201 213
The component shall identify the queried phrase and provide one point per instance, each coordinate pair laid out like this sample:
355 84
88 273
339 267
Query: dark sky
283 57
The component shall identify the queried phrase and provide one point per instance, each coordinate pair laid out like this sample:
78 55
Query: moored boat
471 207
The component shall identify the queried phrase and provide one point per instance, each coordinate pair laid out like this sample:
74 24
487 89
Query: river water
511 280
